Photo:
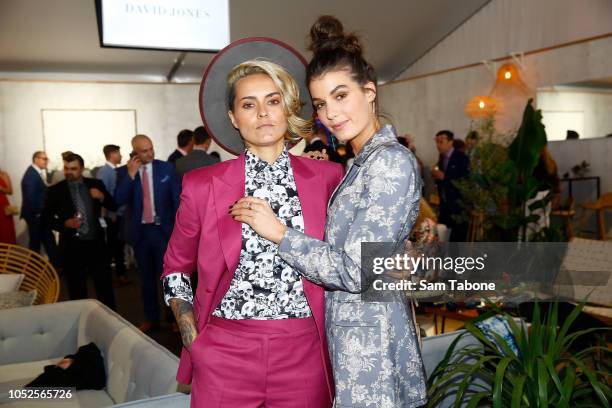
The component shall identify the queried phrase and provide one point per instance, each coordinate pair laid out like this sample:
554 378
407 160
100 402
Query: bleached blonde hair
289 90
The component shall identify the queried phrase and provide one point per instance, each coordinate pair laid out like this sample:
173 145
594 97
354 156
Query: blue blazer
33 191
458 168
166 191
108 175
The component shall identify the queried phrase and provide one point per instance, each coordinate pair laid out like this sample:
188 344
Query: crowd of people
136 203
94 213
191 153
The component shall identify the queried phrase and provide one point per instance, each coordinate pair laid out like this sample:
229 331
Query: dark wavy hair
333 50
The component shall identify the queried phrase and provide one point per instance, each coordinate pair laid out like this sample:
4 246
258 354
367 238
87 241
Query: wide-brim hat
214 88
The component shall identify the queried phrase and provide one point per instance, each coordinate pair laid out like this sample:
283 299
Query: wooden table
460 314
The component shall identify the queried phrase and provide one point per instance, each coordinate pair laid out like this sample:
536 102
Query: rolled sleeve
177 285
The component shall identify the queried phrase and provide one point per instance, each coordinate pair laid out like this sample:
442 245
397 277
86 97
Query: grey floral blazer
375 355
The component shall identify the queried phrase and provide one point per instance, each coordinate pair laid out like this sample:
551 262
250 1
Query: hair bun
327 34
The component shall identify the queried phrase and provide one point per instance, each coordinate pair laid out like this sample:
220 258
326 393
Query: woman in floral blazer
373 345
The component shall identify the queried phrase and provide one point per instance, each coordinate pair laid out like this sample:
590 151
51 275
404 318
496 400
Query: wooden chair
39 273
602 204
567 214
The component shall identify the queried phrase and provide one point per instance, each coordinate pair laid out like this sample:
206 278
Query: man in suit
197 157
452 165
184 141
33 190
73 208
150 189
108 175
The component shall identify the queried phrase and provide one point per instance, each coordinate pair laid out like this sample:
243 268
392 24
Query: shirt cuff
288 247
177 285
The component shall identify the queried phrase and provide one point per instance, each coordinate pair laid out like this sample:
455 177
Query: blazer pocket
358 323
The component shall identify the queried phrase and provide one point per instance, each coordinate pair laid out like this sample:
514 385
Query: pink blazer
207 240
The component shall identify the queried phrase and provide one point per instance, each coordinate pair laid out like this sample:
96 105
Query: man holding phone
150 189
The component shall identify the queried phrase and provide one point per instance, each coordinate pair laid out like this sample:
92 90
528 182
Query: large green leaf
499 377
518 397
531 138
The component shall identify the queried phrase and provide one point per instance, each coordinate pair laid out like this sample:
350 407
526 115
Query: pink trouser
258 363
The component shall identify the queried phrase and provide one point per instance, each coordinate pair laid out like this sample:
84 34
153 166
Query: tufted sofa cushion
137 367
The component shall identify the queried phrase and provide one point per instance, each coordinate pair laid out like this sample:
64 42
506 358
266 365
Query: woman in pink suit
254 333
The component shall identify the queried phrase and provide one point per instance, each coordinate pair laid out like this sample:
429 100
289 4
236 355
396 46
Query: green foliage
501 178
545 372
525 149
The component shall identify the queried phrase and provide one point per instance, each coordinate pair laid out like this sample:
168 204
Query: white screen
177 24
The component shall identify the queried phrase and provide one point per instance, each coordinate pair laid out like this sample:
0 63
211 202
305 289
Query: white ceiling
58 39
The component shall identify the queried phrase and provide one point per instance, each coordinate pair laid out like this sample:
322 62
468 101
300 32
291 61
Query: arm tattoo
183 312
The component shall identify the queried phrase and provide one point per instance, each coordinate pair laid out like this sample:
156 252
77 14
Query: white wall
424 105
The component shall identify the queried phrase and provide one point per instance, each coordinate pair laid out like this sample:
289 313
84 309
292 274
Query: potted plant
502 178
535 369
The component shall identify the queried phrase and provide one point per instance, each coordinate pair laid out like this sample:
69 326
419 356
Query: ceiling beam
178 61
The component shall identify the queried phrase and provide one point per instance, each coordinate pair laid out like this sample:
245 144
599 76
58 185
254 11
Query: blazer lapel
312 197
227 189
157 177
69 207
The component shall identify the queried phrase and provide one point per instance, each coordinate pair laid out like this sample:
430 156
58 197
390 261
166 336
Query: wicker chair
39 273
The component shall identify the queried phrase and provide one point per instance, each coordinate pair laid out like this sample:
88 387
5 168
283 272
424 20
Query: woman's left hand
259 215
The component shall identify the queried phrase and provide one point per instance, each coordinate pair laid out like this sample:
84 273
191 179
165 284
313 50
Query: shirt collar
384 135
449 153
75 183
149 167
38 169
183 152
110 164
254 164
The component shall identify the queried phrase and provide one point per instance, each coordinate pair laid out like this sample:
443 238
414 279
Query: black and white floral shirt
264 286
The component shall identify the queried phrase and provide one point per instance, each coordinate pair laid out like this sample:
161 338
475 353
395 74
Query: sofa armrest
137 367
